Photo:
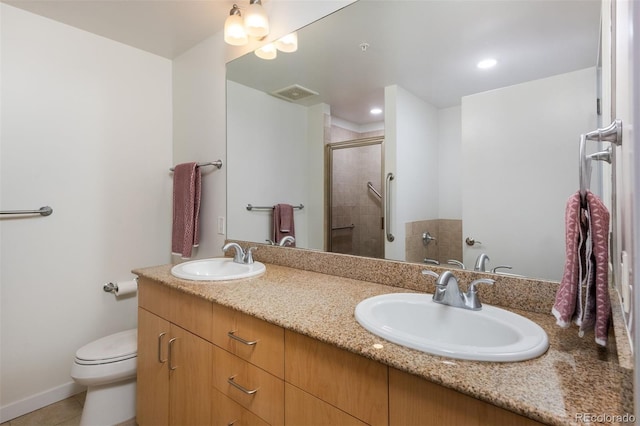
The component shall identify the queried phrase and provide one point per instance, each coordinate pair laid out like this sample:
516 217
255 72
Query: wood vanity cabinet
201 363
174 365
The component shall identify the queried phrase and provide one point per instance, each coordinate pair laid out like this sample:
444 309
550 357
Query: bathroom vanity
285 348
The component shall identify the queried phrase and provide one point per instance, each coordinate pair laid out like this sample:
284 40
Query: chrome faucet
448 293
481 262
240 256
288 240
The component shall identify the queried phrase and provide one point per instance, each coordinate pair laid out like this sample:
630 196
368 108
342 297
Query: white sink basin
415 321
216 269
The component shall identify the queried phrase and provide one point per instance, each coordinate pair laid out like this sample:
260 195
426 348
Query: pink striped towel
186 209
283 223
583 294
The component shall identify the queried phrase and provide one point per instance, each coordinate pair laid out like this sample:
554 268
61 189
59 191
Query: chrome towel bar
217 163
613 134
251 207
343 227
44 211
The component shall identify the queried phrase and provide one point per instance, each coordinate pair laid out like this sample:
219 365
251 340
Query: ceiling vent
294 93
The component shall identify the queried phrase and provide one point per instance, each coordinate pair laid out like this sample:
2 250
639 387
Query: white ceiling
164 27
429 47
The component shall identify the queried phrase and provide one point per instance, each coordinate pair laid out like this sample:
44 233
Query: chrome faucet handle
456 263
495 270
472 300
474 284
430 261
430 273
248 256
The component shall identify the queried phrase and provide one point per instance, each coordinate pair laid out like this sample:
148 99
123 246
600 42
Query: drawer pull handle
233 383
240 339
231 423
171 367
160 360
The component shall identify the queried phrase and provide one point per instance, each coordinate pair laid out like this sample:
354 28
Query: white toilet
107 367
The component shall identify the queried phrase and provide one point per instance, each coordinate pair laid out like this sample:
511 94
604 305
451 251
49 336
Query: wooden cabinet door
350 382
190 370
415 401
300 408
153 375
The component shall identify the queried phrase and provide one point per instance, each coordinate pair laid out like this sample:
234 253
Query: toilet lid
112 348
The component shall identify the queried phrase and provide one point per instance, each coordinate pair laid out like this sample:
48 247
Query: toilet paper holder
113 287
110 287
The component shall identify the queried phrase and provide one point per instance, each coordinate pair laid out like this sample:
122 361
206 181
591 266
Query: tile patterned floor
63 413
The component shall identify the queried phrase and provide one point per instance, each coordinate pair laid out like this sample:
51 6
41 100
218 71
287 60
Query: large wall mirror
483 160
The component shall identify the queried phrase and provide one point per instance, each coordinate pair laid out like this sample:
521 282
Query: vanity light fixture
376 111
487 63
288 43
268 51
234 32
255 24
256 21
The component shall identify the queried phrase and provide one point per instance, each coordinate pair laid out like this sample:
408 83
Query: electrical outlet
221 228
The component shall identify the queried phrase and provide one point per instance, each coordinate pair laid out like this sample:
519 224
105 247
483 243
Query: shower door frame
329 148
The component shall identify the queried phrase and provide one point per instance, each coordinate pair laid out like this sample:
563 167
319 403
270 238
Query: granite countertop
573 378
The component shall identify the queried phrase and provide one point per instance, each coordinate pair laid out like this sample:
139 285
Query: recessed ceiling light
376 111
487 63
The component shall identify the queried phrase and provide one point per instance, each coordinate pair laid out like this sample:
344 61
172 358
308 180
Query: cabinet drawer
300 408
348 381
256 341
226 411
266 397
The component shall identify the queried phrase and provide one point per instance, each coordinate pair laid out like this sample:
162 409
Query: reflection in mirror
354 171
488 155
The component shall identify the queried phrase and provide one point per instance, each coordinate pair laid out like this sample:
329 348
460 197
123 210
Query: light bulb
234 32
487 63
268 51
288 43
256 22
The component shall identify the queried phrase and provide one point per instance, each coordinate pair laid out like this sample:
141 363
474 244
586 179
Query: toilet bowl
107 367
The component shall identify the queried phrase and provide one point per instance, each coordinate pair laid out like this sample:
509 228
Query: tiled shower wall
447 244
353 203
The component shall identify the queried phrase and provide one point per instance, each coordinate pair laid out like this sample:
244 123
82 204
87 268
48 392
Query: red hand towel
186 209
283 224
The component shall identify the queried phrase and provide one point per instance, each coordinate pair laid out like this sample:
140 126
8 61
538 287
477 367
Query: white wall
86 129
275 133
199 132
411 132
449 164
502 130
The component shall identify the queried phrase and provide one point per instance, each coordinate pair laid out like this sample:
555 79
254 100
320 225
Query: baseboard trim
39 400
